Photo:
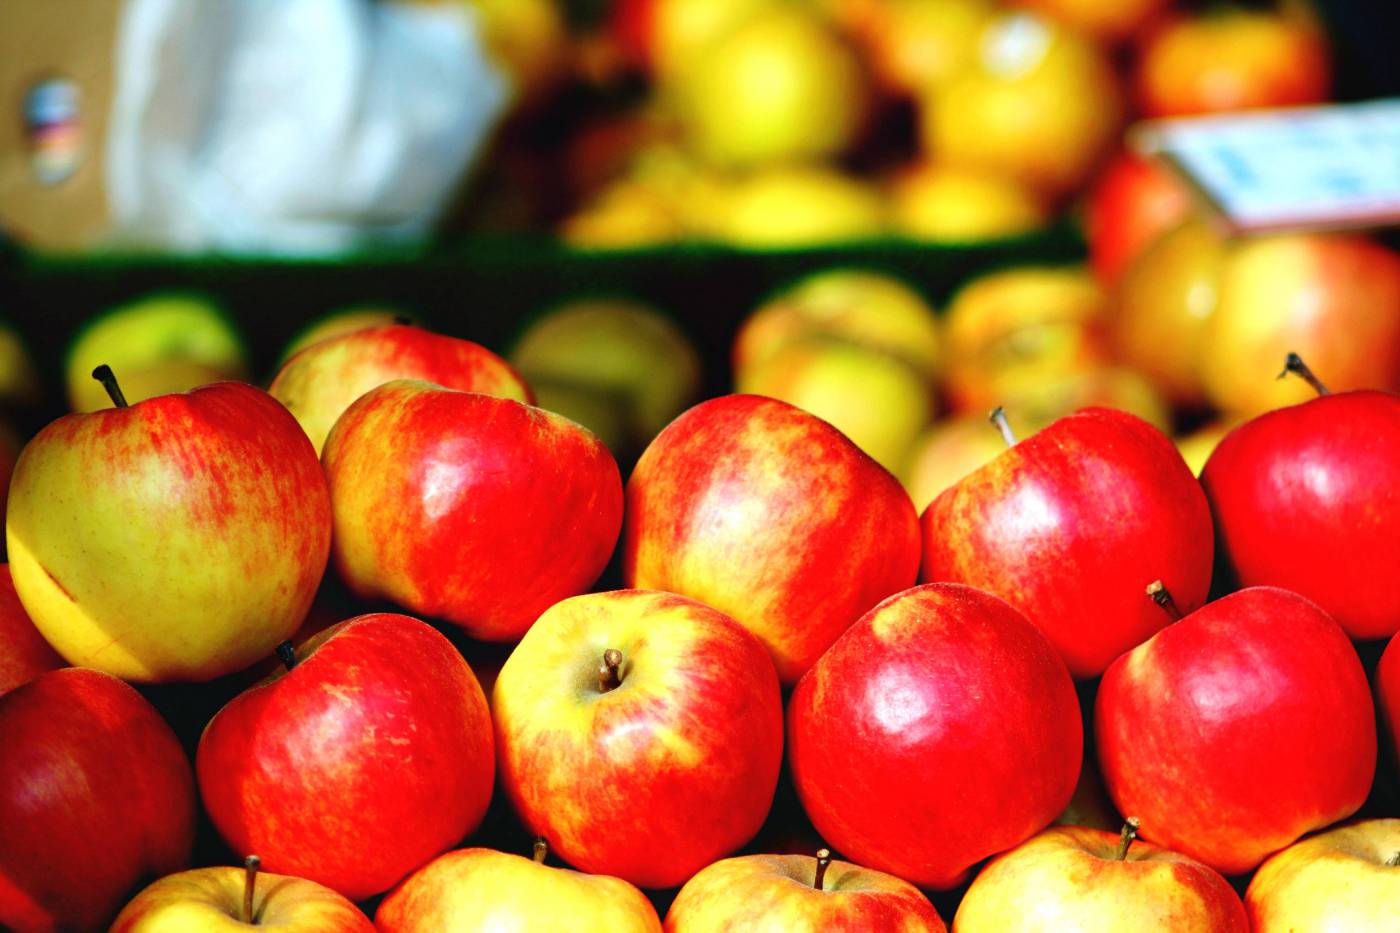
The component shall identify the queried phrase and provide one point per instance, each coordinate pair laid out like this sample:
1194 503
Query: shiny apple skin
1238 729
1134 201
939 729
772 516
1069 878
210 900
775 894
1336 880
484 511
24 654
470 890
617 781
1071 525
1307 498
364 761
318 383
95 796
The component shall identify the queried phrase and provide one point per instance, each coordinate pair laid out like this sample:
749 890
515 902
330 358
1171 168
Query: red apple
622 717
1238 729
772 516
95 795
1134 200
363 761
320 382
798 894
24 654
1388 692
1347 878
1070 524
1304 498
483 511
939 729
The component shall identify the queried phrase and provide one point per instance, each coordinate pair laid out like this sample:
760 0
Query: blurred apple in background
674 33
157 345
793 207
338 323
1231 59
1347 878
1133 201
618 367
19 380
24 654
1108 22
942 204
1041 106
916 46
529 39
949 450
1195 448
1063 394
626 214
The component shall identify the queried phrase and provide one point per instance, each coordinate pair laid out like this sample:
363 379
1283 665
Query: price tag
1330 167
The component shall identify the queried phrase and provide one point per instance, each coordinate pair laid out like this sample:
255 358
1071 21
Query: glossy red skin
1238 729
1308 498
372 756
939 729
24 654
1134 200
96 796
1388 692
825 531
530 517
1071 525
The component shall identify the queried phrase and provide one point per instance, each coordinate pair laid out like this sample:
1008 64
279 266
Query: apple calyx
1162 596
823 863
104 375
1126 837
540 850
1393 861
251 864
609 674
287 655
998 418
1294 364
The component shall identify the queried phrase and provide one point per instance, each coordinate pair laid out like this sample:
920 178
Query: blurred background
895 213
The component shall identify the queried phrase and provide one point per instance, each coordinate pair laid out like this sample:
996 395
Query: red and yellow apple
1134 200
338 324
1110 22
1347 878
916 46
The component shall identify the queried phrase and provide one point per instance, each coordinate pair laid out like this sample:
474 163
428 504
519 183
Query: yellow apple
944 204
529 39
793 207
1347 878
680 30
917 46
624 215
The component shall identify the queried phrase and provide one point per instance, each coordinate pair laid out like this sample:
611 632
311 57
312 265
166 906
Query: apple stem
1294 364
251 864
104 375
1163 597
1393 861
608 675
998 418
1126 837
541 849
287 655
823 863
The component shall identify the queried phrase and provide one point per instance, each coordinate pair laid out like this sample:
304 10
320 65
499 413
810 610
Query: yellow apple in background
1043 398
624 215
944 204
873 398
859 306
1197 446
158 345
794 207
529 39
917 46
1343 879
345 321
781 86
1108 21
1162 304
949 450
1041 105
19 380
620 368
681 30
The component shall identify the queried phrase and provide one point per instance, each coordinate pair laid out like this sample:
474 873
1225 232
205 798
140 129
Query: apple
940 729
790 207
1041 105
1332 297
937 203
1091 881
24 654
916 46
668 36
9 452
481 889
626 214
1231 59
1302 498
1055 395
1197 446
1238 729
798 894
1388 692
160 344
530 40
180 538
621 716
320 382
1347 878
483 512
95 795
19 380
949 450
1070 524
1107 22
339 323
1134 200
371 754
773 517
223 899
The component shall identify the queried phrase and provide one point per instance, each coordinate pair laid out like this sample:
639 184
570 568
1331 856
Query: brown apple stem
1163 597
251 864
541 849
104 375
1393 861
1294 364
1125 839
998 418
608 675
823 863
287 655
